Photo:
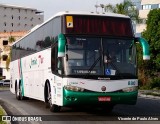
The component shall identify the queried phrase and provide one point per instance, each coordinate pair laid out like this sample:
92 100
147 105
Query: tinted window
38 40
98 25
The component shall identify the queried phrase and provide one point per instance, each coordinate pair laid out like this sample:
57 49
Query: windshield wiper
93 65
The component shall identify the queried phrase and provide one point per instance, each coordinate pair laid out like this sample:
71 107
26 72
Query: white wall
18 19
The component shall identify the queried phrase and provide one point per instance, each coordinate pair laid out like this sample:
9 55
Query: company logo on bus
103 88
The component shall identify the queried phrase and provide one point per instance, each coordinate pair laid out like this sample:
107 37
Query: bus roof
90 13
82 13
74 13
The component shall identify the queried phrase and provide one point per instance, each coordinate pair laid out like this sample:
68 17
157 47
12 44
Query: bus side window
54 58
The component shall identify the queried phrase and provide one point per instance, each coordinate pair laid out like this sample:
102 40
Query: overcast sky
50 7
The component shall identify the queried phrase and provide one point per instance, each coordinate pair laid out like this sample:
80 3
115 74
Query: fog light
130 89
74 88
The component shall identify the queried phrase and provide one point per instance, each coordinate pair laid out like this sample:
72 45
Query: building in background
146 6
5 45
15 22
16 18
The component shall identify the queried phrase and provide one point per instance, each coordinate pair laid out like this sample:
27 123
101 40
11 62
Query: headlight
130 89
73 88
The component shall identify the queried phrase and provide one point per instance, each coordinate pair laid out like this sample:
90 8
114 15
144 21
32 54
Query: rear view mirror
145 47
61 45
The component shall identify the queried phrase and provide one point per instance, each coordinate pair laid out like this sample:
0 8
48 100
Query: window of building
5 42
5 31
147 6
4 57
19 17
12 16
1 70
5 24
31 19
154 6
12 24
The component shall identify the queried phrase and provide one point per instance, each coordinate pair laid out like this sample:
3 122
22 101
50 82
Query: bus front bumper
72 98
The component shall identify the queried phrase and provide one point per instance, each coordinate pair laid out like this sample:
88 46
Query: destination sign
84 71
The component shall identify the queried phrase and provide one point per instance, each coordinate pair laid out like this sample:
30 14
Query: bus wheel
53 107
17 93
20 93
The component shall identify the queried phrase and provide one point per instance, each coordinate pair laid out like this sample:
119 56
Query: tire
53 107
17 93
20 93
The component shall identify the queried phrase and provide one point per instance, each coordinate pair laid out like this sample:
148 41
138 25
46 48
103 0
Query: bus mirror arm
145 48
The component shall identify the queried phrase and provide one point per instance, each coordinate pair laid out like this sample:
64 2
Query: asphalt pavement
10 110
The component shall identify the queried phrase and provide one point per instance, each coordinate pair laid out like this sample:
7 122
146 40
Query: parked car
1 82
4 82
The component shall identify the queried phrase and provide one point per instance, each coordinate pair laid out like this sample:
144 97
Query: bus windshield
100 56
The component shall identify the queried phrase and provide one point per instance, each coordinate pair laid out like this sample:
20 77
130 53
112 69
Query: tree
11 39
8 61
125 8
152 35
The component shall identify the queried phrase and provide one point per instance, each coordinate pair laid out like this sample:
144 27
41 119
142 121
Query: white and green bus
68 61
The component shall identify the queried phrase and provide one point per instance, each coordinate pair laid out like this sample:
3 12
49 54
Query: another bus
68 61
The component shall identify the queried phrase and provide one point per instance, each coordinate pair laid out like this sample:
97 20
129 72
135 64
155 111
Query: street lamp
101 5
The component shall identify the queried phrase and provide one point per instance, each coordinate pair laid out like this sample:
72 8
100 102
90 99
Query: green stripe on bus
72 98
22 84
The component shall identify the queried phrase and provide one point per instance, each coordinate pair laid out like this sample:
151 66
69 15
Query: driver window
56 63
54 58
59 66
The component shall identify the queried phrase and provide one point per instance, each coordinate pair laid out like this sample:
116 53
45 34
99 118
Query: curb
149 96
5 114
16 108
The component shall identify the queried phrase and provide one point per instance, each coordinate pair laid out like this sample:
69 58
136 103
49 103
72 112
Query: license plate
104 99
